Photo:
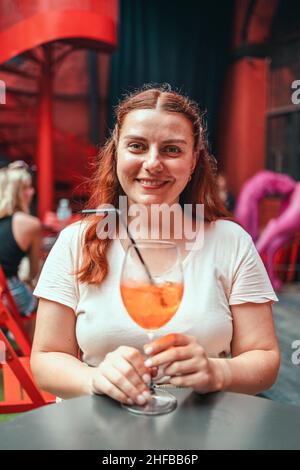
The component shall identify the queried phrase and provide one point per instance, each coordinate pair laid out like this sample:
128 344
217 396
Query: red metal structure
20 390
43 33
242 129
251 96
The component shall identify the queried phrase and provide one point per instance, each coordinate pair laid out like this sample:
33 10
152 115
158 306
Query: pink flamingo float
278 232
262 184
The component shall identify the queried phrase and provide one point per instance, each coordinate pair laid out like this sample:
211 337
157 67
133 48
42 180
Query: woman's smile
152 183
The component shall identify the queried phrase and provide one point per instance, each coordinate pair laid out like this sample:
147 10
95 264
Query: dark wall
181 42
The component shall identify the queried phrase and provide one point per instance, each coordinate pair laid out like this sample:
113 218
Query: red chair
11 302
293 258
20 390
285 260
16 328
11 318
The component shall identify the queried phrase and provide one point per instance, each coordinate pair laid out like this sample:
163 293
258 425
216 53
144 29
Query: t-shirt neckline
184 260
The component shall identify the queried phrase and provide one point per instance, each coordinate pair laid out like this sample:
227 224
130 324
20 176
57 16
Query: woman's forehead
151 121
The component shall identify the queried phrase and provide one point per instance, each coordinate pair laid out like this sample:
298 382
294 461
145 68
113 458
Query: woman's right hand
123 376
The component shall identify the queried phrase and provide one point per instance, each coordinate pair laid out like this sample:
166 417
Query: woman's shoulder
73 232
228 230
27 222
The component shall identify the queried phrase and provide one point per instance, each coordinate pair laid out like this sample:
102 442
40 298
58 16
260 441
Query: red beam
45 138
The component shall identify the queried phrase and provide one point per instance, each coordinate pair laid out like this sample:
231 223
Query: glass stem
150 335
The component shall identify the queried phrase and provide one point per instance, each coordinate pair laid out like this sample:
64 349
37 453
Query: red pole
45 163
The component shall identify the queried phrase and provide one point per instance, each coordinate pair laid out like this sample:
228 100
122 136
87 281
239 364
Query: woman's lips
152 184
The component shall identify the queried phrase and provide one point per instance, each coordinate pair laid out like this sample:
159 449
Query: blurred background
64 64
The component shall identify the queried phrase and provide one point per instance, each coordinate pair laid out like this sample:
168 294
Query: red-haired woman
221 338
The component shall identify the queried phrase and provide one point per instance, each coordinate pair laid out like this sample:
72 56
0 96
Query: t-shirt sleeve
57 281
250 282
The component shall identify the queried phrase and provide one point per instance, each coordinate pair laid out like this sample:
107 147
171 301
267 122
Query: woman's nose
153 161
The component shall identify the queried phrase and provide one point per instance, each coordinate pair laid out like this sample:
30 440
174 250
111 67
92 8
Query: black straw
132 240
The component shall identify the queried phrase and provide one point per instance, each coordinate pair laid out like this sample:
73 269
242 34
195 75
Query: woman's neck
163 223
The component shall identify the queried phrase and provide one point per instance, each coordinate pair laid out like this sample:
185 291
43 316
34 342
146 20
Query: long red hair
106 189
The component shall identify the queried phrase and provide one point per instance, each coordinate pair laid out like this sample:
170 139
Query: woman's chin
151 199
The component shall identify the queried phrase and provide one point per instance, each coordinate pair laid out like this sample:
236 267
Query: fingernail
148 363
147 395
129 401
148 350
146 378
141 400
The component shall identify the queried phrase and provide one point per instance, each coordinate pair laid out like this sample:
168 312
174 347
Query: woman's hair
12 182
106 189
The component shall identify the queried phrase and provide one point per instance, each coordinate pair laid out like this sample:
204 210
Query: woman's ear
115 136
194 162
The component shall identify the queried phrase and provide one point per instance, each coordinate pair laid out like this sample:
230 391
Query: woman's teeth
152 183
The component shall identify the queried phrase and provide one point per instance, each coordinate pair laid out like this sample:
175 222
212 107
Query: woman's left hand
185 360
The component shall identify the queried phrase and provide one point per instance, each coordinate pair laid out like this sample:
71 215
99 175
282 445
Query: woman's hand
185 361
123 376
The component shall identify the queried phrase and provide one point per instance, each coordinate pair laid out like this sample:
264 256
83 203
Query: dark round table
214 421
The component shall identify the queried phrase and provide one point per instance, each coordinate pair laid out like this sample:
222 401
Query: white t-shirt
226 271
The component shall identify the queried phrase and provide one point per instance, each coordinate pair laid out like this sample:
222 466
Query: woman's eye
136 146
172 149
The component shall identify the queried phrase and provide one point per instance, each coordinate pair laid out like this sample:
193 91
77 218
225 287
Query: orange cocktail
151 306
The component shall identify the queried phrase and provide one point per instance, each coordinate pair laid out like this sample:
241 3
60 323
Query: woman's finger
199 381
190 366
171 355
129 371
135 358
166 342
102 385
117 379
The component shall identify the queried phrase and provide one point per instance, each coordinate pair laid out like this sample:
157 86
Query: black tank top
10 252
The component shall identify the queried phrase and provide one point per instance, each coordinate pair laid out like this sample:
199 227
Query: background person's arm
35 250
27 231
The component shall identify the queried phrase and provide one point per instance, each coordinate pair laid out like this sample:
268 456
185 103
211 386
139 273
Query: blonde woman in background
20 234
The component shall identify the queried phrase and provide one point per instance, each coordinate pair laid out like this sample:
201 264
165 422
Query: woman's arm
27 231
34 253
122 374
255 355
54 360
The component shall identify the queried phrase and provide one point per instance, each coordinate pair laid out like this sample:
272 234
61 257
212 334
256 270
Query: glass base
162 402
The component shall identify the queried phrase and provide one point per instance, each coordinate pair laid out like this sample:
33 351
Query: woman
157 154
19 233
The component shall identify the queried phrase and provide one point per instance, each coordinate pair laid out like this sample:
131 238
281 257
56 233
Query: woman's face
155 156
27 193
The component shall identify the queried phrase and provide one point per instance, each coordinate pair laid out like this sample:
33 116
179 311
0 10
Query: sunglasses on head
18 165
